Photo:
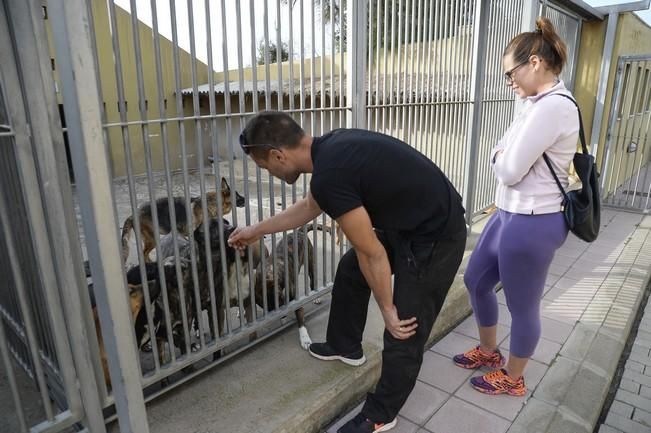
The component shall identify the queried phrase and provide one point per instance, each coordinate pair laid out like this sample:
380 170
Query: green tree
272 50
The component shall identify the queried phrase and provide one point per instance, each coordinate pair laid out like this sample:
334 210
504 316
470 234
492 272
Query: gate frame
615 101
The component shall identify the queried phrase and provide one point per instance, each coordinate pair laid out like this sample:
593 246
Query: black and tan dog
184 224
225 297
290 251
136 306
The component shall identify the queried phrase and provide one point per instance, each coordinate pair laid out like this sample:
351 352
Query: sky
645 15
247 8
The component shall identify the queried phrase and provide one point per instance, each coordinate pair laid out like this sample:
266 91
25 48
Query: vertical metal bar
152 194
376 110
162 114
258 172
242 110
181 126
421 85
79 77
393 65
356 39
11 379
231 157
409 131
25 309
385 62
202 186
369 79
642 151
480 25
405 71
64 301
618 95
602 90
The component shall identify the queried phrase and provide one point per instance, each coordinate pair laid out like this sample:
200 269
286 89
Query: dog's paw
304 337
317 301
195 347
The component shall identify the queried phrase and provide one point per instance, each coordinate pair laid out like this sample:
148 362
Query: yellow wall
588 68
110 95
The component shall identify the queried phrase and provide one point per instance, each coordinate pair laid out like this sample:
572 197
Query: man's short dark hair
271 129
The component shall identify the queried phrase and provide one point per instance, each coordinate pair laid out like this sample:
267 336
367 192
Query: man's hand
400 329
243 236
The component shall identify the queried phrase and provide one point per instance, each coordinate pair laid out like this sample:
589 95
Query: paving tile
404 426
454 343
633 399
423 401
557 381
634 366
624 424
580 341
645 391
621 408
534 417
637 377
545 352
459 416
469 328
505 406
608 429
629 386
643 417
440 371
554 330
560 312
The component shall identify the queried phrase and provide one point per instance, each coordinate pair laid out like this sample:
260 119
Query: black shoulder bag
581 208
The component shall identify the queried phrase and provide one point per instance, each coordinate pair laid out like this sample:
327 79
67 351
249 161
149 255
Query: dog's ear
136 299
198 234
225 187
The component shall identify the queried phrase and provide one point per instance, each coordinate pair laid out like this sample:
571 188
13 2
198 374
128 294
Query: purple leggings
517 250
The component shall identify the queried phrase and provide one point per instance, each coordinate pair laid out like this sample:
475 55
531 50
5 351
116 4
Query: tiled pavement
591 289
630 411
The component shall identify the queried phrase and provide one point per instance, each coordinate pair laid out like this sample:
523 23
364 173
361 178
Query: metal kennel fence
153 96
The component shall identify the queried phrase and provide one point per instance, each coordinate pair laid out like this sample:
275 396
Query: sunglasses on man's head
246 147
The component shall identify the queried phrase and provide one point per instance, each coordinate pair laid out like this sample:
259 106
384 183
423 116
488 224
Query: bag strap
584 148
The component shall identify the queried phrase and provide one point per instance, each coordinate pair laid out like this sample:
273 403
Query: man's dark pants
423 274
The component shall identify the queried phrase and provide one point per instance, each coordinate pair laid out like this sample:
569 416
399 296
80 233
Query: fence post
480 26
79 79
356 62
60 253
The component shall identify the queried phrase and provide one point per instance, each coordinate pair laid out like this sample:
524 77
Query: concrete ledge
570 396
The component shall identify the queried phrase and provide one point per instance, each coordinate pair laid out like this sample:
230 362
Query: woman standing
518 244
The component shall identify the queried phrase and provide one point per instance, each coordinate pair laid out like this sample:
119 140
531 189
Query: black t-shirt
400 188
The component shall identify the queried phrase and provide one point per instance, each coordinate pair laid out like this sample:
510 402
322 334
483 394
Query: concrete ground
591 298
630 409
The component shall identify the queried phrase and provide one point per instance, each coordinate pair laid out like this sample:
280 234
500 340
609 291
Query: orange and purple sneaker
499 382
476 358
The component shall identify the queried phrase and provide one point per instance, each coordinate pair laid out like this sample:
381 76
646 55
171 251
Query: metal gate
43 342
626 170
151 117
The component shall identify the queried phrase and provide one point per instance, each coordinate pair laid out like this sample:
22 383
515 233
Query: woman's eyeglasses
508 75
246 147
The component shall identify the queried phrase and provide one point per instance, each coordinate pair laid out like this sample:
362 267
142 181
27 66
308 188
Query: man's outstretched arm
297 215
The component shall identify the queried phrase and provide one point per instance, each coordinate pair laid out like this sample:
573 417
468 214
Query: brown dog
183 224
